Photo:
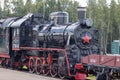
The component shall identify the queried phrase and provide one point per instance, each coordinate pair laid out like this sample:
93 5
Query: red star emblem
86 39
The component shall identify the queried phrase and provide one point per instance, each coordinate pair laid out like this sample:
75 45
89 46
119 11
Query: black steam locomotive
52 47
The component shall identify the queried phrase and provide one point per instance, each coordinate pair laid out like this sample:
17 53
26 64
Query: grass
90 77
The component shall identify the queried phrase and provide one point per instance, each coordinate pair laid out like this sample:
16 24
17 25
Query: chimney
81 14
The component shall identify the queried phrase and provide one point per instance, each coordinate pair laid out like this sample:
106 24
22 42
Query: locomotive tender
47 48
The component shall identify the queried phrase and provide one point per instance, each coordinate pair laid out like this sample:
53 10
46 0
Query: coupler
80 72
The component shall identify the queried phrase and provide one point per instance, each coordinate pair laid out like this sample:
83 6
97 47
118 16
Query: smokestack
81 14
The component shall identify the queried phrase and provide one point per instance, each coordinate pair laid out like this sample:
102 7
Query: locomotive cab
19 32
6 34
22 30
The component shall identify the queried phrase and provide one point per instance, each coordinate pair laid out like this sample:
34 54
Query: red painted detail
4 55
102 60
36 62
41 49
91 59
78 66
94 59
47 49
49 59
0 60
7 61
43 71
43 62
16 64
15 49
68 64
107 60
80 76
85 59
117 61
86 39
29 64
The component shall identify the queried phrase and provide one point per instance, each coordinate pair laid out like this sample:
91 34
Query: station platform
7 74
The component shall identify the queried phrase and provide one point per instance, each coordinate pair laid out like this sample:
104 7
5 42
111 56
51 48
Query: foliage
20 8
106 18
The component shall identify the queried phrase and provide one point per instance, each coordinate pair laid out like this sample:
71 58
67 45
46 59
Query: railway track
7 74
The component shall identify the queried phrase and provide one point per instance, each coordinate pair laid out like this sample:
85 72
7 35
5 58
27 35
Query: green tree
98 10
92 10
1 13
48 6
113 22
29 6
118 16
6 9
72 10
104 22
18 9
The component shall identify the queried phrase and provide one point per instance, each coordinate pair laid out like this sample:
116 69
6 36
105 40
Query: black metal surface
57 36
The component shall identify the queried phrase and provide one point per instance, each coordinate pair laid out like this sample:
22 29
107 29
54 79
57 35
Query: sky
82 3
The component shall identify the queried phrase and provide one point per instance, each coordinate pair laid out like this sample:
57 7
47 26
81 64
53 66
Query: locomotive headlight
89 22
